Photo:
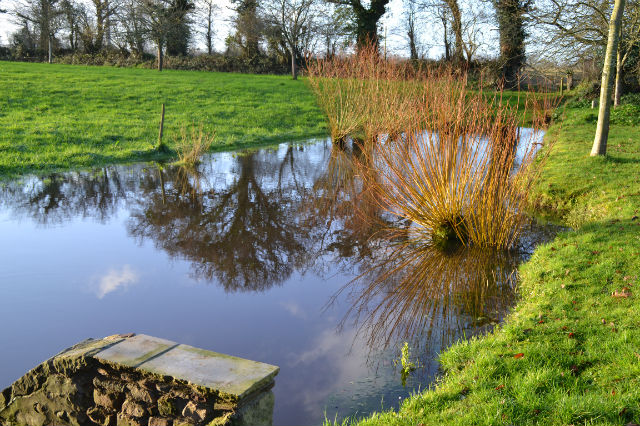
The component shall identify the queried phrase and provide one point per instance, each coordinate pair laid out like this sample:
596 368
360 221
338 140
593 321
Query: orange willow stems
438 155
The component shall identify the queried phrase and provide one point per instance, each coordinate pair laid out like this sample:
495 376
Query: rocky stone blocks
86 385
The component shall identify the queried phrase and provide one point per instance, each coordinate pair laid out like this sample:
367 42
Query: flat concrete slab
228 374
225 373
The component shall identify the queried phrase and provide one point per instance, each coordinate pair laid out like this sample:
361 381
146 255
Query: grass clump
192 144
455 176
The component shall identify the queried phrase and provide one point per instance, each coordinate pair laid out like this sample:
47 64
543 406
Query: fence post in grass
161 126
50 48
561 85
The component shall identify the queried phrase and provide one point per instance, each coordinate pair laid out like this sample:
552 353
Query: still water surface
248 255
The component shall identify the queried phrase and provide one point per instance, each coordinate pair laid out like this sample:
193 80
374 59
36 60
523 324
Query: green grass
581 345
65 116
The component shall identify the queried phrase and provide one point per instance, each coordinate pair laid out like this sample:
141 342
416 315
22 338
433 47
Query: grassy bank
63 116
570 352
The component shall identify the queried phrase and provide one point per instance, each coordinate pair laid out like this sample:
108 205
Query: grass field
64 116
569 354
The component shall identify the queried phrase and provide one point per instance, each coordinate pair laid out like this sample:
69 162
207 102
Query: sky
429 31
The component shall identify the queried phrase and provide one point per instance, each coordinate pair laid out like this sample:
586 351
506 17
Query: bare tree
629 40
456 27
295 20
366 19
410 23
44 15
160 19
335 27
443 16
576 28
249 27
133 26
606 89
72 16
97 26
205 14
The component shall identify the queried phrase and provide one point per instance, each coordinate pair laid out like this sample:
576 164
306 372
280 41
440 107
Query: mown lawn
65 116
569 354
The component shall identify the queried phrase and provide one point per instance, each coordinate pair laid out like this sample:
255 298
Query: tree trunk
50 48
367 29
294 70
456 27
512 36
618 90
160 56
447 46
606 89
209 33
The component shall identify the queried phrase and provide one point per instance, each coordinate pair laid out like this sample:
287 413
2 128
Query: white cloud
294 309
115 279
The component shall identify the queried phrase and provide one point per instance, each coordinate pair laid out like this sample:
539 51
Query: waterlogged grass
569 354
65 116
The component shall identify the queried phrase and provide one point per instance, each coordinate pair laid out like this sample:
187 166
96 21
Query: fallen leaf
518 355
500 387
622 293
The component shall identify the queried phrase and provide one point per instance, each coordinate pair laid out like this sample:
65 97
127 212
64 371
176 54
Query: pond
255 254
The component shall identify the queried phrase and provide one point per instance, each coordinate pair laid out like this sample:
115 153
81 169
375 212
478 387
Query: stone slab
231 375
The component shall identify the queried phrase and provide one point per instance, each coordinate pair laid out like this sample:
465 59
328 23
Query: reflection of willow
241 233
412 293
340 206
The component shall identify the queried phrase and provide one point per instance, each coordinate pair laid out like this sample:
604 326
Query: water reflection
278 231
244 234
413 293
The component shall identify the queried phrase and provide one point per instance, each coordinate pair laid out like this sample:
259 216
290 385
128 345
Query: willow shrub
447 159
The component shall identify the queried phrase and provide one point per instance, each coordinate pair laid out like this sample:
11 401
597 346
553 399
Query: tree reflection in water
271 213
59 196
245 234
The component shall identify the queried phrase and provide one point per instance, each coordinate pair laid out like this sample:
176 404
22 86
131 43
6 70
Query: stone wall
83 389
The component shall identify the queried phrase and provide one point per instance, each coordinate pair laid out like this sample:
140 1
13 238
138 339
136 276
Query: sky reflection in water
253 255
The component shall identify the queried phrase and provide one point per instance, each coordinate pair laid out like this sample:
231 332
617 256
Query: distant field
63 116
